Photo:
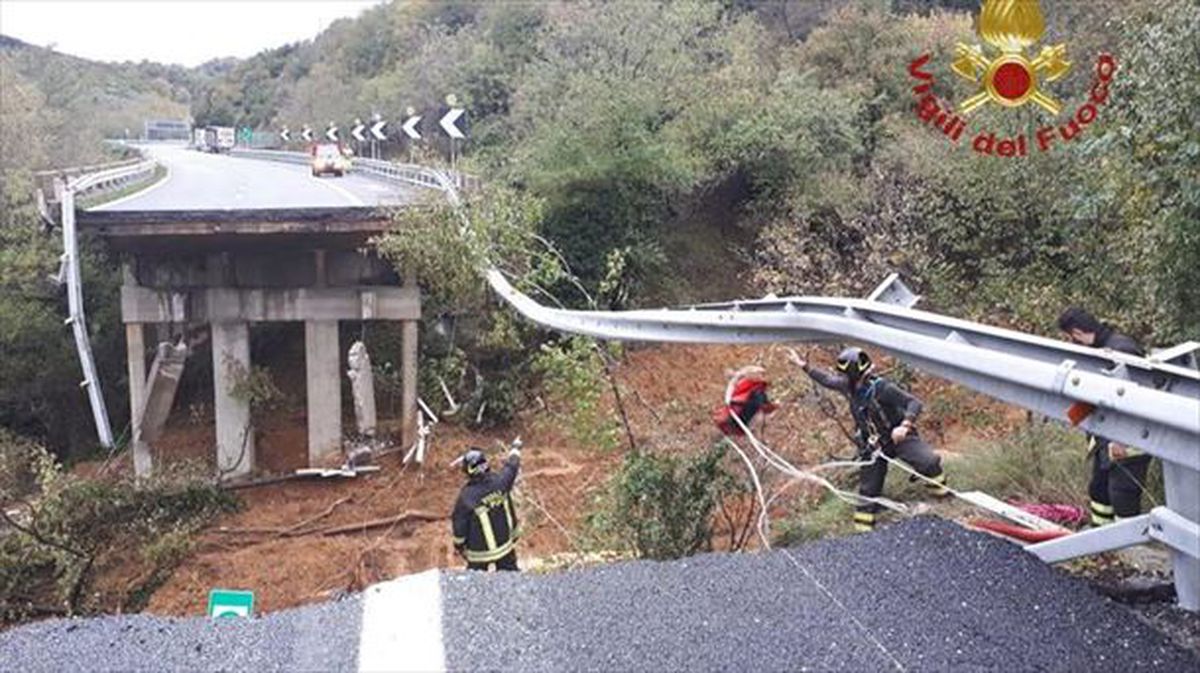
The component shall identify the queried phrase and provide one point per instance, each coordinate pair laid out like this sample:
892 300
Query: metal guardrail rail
69 273
412 174
1142 402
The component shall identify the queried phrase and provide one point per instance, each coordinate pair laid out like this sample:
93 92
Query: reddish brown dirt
668 393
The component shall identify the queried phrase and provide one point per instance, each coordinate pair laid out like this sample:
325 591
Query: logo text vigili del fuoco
1004 75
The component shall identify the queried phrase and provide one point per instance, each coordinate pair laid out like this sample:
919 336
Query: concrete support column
408 382
408 371
324 389
235 436
135 356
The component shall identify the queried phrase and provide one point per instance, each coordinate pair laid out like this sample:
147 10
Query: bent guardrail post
77 321
71 275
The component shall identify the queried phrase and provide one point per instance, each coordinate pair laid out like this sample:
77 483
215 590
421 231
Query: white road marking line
402 625
138 193
347 194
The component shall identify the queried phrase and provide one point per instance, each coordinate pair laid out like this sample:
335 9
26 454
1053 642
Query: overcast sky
188 32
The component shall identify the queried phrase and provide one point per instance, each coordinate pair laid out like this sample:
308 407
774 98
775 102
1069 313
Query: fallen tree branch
254 483
297 529
376 523
294 530
32 609
249 531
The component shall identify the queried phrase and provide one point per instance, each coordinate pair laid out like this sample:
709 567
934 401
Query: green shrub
832 517
572 376
661 506
1042 462
56 538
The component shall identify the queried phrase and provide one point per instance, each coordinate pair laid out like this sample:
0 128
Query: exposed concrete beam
235 435
161 384
159 397
145 305
324 385
252 221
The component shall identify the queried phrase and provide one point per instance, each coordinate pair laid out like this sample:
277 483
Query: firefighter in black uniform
484 521
883 417
1118 471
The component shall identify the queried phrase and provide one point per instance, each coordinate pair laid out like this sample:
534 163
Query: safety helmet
854 362
474 462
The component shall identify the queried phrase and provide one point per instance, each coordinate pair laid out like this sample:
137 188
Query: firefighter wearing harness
1118 471
484 521
884 415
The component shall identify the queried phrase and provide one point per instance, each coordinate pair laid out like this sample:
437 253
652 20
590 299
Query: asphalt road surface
200 181
922 595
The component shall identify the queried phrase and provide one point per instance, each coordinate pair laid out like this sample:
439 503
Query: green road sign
229 603
247 134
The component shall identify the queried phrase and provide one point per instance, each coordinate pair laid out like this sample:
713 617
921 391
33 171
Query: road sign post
230 603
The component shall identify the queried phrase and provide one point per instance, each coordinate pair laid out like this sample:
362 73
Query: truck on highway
198 142
218 138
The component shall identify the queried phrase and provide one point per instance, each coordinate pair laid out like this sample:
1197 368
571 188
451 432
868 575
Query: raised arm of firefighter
508 475
824 377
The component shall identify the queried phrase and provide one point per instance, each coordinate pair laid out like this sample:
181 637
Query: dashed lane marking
402 625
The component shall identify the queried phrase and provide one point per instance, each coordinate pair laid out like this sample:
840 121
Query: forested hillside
76 103
55 110
623 117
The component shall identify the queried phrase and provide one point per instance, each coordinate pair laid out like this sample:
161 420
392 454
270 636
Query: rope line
778 462
784 466
829 594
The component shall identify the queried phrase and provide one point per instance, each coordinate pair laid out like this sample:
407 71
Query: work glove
515 447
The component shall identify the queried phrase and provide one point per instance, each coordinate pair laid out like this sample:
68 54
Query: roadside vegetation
59 530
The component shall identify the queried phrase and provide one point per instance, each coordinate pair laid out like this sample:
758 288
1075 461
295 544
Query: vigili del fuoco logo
1003 74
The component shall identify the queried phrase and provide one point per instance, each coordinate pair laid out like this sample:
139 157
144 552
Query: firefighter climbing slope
1118 471
884 417
484 521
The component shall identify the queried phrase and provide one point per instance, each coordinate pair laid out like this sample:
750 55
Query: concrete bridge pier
135 356
324 389
231 364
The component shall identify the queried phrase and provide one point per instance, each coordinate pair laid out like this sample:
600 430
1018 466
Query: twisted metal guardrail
1144 402
66 191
